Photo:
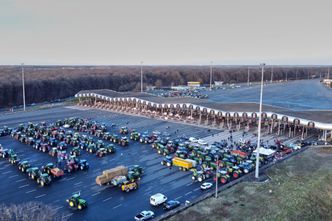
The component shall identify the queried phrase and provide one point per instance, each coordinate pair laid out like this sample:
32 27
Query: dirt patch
300 189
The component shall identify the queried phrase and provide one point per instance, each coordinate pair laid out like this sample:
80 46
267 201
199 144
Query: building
194 84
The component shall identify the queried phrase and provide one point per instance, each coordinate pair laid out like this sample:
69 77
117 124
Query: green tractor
75 201
44 179
13 159
24 165
134 136
223 176
201 175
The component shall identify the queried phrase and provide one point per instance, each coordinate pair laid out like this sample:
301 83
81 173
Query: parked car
206 186
171 204
144 215
157 199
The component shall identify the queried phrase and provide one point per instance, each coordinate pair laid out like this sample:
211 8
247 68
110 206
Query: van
157 199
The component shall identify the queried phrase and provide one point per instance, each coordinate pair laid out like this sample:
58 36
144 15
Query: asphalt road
295 95
105 203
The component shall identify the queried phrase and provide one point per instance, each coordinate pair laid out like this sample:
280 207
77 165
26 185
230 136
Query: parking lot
105 203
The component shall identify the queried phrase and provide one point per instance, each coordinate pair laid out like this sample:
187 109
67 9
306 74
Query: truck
183 164
108 175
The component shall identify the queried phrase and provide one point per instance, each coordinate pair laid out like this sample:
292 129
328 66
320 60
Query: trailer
183 164
108 175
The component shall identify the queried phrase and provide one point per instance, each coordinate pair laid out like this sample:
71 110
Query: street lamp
211 75
141 76
23 85
248 76
259 123
216 194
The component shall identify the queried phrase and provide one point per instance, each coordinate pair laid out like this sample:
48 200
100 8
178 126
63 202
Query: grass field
299 189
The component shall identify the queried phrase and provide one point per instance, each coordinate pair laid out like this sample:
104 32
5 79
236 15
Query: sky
168 32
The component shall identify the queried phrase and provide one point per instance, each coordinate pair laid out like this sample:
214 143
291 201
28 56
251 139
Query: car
206 186
144 215
171 204
158 199
193 139
202 142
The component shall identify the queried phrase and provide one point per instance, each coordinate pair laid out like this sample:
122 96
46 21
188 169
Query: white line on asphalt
67 215
30 191
95 194
107 200
117 206
55 201
13 176
40 196
6 172
198 188
60 207
71 178
23 186
177 198
78 183
189 184
188 193
17 181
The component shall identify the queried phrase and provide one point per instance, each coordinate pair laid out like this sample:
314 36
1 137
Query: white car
206 186
157 199
144 215
193 139
202 142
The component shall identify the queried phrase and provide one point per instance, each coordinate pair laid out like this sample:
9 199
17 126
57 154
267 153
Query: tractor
13 159
128 186
201 175
115 138
24 166
101 152
75 201
92 148
223 176
134 136
62 146
124 141
167 161
33 172
44 179
75 151
124 130
110 148
100 144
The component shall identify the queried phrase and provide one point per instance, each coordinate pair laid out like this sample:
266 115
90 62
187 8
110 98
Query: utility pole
248 76
216 193
286 75
328 72
271 74
211 63
141 76
23 85
259 124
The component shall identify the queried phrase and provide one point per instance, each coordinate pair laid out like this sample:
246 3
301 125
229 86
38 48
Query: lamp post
141 76
248 77
216 193
259 124
23 85
211 63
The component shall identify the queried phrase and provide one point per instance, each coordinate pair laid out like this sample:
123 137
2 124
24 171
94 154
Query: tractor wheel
168 164
42 183
193 178
90 150
71 204
38 181
159 152
162 163
200 179
22 169
127 190
79 207
32 176
164 154
235 175
223 180
82 167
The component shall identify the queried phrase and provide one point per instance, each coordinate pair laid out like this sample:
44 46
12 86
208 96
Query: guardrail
247 177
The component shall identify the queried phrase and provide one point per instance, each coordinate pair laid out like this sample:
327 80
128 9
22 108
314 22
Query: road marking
30 191
67 215
108 199
60 207
188 193
197 189
177 198
117 206
189 184
6 172
17 181
78 183
71 178
13 176
40 196
95 194
23 186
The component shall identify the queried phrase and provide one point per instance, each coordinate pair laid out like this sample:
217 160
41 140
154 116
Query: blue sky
165 32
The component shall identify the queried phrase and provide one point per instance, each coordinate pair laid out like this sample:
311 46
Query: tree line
49 83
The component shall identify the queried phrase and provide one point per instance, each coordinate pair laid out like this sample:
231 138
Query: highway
105 203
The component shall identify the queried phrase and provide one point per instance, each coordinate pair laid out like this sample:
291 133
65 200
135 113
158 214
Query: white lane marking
13 176
30 191
71 178
189 184
177 198
60 207
6 172
107 199
67 215
40 196
188 193
198 188
17 181
95 194
78 183
117 206
23 186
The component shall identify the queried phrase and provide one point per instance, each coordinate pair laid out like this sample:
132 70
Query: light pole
211 63
248 77
259 123
271 74
216 194
328 72
23 86
141 76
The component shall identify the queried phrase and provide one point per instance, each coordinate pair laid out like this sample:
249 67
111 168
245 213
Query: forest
50 83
